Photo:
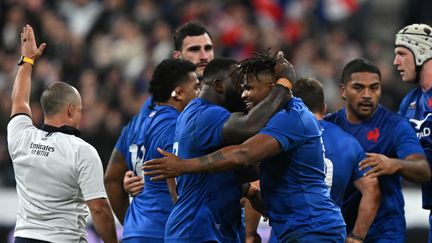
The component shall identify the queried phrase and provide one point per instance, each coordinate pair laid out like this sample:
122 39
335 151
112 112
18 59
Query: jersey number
328 168
137 158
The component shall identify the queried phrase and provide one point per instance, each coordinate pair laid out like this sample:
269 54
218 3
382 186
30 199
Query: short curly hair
261 62
358 65
167 75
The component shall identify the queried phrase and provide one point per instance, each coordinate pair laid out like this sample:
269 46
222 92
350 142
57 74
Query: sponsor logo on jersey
412 105
41 149
422 131
373 135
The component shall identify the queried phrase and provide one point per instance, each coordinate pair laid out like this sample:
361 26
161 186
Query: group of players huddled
214 125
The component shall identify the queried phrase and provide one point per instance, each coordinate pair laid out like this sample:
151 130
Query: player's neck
318 116
56 121
209 93
355 119
173 103
426 76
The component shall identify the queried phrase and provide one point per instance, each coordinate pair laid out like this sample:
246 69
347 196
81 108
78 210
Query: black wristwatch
24 59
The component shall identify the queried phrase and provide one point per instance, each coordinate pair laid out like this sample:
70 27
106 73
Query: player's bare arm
254 149
413 168
368 207
240 126
114 185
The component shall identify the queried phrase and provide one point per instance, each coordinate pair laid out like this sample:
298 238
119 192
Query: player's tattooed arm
257 148
240 126
207 161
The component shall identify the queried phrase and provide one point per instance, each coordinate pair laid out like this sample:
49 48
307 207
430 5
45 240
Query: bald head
57 96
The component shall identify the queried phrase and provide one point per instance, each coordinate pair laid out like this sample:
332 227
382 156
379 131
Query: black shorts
28 240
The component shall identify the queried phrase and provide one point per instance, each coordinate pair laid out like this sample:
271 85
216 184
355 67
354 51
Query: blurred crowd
108 48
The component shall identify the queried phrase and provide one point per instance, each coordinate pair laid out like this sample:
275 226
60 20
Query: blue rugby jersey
293 182
208 206
417 107
389 134
342 156
150 129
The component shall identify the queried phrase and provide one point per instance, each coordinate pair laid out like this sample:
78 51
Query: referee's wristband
355 237
25 59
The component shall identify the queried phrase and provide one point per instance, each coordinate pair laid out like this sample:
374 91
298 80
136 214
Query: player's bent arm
369 204
256 148
113 180
103 219
415 168
252 218
240 126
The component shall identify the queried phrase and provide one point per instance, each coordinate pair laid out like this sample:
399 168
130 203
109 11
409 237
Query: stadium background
108 49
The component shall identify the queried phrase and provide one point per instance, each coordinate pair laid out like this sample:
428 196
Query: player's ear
218 86
271 85
177 54
70 110
177 93
342 91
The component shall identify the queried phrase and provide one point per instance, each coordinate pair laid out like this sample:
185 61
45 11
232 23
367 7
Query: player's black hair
188 29
311 91
218 68
167 75
261 62
358 65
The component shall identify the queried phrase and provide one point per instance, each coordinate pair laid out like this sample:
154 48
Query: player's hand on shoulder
133 184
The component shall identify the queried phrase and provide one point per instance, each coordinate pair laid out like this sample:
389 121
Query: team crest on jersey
373 135
413 105
429 102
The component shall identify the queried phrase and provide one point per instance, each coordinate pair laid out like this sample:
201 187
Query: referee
57 174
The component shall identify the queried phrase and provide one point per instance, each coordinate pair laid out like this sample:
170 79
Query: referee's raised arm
59 176
22 84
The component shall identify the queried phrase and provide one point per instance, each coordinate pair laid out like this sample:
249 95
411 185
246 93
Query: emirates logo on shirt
373 135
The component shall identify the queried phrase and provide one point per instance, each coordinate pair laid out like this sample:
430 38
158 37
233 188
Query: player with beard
392 148
292 168
342 164
413 61
208 209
